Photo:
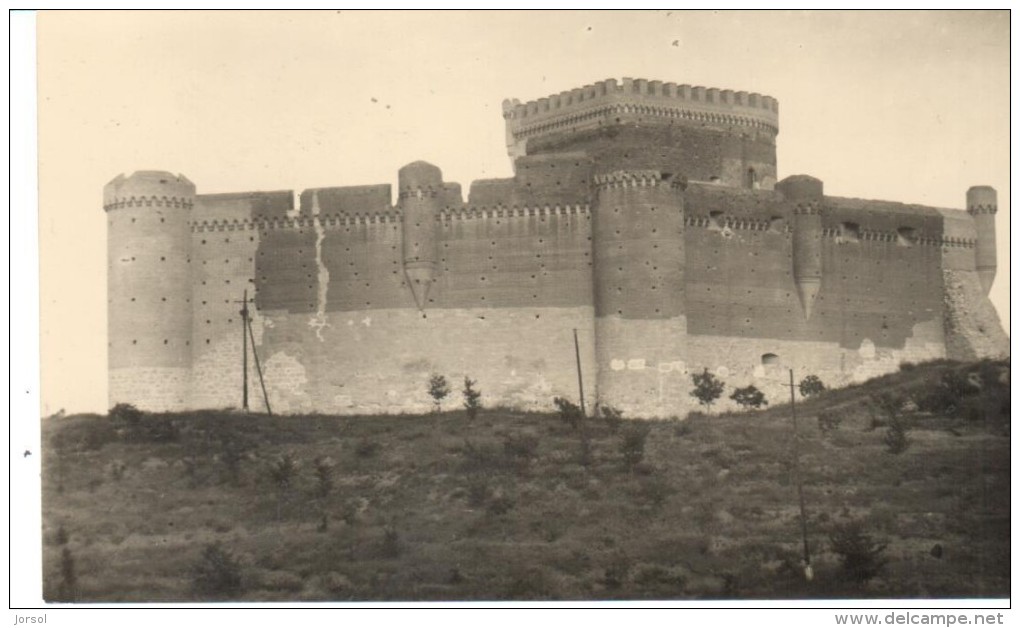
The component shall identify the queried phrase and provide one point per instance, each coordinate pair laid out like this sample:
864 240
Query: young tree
749 397
438 390
811 385
472 398
707 388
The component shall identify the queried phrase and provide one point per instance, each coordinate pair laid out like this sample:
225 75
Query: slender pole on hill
244 351
258 367
808 572
580 381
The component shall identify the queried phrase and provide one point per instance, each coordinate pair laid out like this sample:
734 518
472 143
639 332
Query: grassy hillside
214 505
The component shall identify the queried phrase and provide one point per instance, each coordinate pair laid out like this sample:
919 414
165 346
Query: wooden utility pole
580 381
258 367
244 351
808 572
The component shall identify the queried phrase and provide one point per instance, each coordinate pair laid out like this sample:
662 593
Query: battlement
644 97
149 188
638 179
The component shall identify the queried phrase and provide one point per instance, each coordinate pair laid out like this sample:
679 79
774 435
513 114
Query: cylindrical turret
638 270
806 194
149 289
421 185
982 204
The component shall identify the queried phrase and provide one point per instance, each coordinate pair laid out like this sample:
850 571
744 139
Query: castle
645 215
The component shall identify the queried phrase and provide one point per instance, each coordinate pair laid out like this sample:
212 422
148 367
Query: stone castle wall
356 300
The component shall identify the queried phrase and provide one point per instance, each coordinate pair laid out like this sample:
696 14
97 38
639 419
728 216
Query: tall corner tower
638 273
806 194
149 289
420 185
982 204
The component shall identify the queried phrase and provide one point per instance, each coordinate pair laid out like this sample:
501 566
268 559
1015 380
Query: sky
903 106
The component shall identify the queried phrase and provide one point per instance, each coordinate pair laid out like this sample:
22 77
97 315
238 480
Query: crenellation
646 215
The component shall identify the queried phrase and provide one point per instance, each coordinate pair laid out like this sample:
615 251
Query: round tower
420 186
149 289
638 270
982 204
806 195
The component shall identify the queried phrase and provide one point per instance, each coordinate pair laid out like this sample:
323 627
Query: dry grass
503 507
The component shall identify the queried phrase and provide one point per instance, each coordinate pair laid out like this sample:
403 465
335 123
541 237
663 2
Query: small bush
633 444
283 471
860 556
389 546
61 537
324 470
707 388
126 412
895 439
749 397
163 431
367 448
472 398
217 574
890 405
829 420
500 505
439 388
612 416
478 492
68 590
946 397
810 386
570 412
231 456
522 447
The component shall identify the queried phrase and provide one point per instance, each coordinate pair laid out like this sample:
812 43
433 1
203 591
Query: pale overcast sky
899 106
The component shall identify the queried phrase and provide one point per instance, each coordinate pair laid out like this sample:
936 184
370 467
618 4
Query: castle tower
982 204
149 289
420 186
638 271
711 135
806 194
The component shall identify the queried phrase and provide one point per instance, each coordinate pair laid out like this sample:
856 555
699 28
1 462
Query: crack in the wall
319 321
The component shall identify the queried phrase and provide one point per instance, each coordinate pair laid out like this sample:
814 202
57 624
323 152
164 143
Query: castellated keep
646 215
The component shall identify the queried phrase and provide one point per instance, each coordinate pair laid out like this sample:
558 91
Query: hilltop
221 505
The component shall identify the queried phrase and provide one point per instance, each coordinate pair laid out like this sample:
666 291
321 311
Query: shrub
125 412
500 505
749 397
390 547
707 388
829 420
888 404
810 386
283 470
217 574
163 431
860 556
633 444
472 398
438 390
946 397
68 577
231 456
324 470
612 416
478 492
367 448
520 446
895 439
62 537
570 412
